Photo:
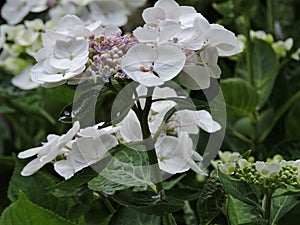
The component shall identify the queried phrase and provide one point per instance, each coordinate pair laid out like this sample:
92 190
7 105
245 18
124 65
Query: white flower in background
48 152
268 170
23 80
153 66
109 12
228 156
176 154
14 11
64 53
67 60
90 148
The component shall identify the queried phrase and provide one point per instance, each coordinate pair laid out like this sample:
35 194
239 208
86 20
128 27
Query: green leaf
292 122
249 8
289 149
265 69
24 212
83 104
127 216
238 189
106 186
279 113
127 168
211 200
281 205
78 180
84 176
185 193
245 127
169 220
190 217
224 8
240 97
240 213
168 185
147 203
35 188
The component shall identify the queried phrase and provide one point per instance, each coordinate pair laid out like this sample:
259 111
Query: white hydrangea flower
67 60
14 11
153 66
268 169
49 151
176 154
64 53
86 150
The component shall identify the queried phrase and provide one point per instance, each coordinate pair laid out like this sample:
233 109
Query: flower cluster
274 174
175 40
106 52
20 42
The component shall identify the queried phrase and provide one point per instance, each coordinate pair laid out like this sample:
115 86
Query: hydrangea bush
178 121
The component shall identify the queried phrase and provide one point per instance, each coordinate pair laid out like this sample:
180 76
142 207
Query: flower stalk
149 142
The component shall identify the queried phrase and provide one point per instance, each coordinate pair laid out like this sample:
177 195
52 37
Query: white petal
64 168
206 122
23 80
131 129
169 63
195 77
32 167
30 152
153 15
146 35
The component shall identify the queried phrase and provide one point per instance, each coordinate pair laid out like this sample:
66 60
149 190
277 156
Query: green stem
267 214
107 203
149 142
270 17
249 50
250 76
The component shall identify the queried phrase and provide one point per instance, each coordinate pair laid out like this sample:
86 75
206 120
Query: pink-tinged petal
195 77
